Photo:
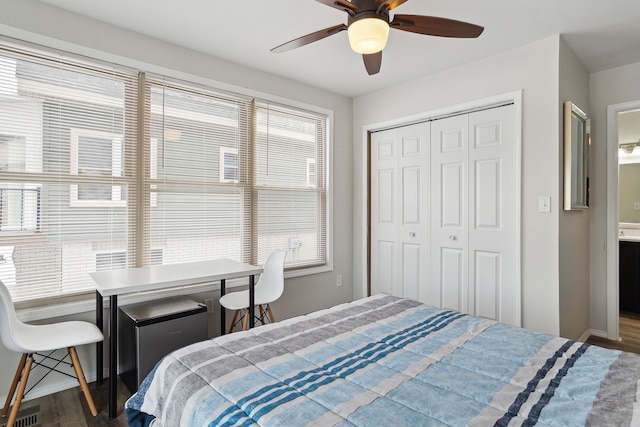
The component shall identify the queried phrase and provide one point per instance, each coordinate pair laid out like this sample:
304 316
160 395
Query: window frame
116 153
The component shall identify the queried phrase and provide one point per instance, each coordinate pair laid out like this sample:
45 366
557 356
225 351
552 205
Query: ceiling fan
368 28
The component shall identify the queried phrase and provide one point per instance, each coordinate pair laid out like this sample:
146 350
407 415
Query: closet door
473 225
449 213
492 214
384 213
400 211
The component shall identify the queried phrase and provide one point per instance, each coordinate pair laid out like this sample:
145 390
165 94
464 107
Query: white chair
34 340
268 289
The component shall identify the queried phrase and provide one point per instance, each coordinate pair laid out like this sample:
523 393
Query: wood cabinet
629 276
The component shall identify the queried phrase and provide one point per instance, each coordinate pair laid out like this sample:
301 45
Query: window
289 213
118 260
228 164
311 172
67 169
85 186
96 153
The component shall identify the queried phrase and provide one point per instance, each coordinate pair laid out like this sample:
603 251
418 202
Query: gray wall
574 225
534 70
39 23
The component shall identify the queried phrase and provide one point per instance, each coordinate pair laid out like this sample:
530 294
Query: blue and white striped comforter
386 361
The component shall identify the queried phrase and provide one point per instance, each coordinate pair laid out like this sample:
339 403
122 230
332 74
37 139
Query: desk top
118 282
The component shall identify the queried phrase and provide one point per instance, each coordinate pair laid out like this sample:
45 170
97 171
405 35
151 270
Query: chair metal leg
233 322
14 384
273 320
83 382
23 384
245 322
262 314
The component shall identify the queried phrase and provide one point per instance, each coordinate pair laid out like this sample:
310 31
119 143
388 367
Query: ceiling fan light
368 35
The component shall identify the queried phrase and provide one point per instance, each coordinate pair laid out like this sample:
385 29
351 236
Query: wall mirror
629 169
576 157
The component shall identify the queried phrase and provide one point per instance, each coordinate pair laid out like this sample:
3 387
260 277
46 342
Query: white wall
532 69
574 225
609 87
39 23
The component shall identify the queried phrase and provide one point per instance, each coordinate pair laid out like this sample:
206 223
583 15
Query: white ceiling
602 33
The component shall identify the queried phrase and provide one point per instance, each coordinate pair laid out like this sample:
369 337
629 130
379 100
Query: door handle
452 237
412 234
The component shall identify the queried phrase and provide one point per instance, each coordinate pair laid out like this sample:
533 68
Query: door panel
453 281
384 212
452 190
400 211
487 283
413 230
492 232
487 201
449 195
411 270
385 262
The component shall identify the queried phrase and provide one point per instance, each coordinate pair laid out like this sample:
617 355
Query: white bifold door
400 211
443 228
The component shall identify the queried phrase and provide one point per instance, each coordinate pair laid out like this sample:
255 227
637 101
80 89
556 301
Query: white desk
120 282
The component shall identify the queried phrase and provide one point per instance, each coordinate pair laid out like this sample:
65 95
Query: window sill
70 308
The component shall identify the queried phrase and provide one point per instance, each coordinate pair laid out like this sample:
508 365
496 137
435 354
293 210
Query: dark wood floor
68 408
629 335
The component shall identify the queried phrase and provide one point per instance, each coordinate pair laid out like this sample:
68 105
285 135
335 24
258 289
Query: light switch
544 204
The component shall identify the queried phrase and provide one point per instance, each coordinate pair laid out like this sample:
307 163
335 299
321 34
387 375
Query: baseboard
593 333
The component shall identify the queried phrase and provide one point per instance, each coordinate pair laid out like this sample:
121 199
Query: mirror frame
577 140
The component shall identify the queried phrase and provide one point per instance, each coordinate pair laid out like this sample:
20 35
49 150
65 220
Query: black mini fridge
150 330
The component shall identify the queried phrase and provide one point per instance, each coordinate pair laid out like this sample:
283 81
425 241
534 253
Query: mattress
388 361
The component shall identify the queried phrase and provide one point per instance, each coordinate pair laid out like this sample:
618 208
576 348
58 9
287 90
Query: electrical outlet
339 280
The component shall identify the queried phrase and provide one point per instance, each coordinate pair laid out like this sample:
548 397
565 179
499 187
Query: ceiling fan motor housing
368 9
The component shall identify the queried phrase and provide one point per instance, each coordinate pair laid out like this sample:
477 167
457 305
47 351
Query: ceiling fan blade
309 38
372 62
340 5
391 4
434 26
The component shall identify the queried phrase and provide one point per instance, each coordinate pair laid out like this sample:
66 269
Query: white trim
116 157
611 245
516 98
594 333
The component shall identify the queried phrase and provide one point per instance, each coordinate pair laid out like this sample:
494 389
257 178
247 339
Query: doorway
620 129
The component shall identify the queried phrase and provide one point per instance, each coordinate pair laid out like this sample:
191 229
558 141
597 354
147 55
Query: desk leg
113 356
99 344
252 298
223 312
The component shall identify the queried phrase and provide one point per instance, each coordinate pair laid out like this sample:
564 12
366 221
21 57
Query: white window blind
290 193
67 170
91 180
201 196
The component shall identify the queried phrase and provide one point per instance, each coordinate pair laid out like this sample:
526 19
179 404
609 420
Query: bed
388 361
